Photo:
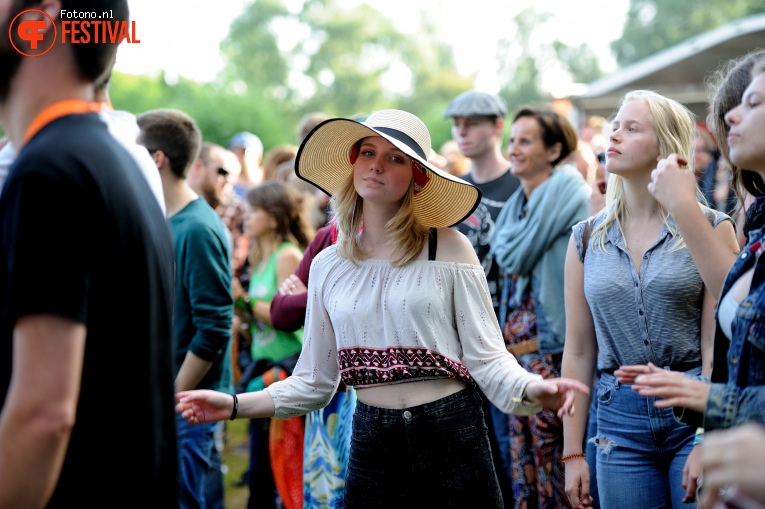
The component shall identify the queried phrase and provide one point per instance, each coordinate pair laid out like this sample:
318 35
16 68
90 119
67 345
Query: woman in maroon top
288 306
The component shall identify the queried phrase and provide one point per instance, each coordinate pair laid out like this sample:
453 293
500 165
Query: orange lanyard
104 105
58 110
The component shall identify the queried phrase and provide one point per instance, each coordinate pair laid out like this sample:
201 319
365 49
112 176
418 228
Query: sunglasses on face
223 172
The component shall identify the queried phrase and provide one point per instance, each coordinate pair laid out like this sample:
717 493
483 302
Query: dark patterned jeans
431 455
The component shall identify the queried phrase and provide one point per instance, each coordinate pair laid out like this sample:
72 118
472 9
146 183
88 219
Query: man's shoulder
506 178
499 188
76 153
199 220
75 139
198 214
69 130
501 177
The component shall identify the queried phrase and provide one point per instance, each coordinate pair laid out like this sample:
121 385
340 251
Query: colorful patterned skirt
325 459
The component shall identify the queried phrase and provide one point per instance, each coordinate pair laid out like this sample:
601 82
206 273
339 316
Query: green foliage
236 458
344 62
519 73
252 50
654 25
219 112
282 64
581 61
354 49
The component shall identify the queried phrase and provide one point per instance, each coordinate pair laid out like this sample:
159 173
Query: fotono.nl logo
33 32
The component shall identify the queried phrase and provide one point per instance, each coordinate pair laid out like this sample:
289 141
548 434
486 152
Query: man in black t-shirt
86 290
477 124
478 119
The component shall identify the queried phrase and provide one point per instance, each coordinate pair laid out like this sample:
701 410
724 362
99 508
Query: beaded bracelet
236 407
573 457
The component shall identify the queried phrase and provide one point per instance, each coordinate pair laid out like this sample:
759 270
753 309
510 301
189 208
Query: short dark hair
204 151
95 59
173 132
555 129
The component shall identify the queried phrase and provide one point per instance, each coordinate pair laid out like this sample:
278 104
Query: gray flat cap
476 104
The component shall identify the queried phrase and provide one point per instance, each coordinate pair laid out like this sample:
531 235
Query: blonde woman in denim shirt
636 298
737 390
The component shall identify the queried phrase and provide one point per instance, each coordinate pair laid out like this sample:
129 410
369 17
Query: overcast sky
183 38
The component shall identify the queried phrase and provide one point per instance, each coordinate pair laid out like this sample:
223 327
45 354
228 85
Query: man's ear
160 159
195 168
52 8
46 10
499 126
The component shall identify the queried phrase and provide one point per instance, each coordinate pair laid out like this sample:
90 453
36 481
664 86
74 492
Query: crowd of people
573 319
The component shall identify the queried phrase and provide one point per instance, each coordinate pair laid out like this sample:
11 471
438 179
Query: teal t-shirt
204 305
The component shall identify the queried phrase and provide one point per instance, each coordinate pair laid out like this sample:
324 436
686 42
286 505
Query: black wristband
236 407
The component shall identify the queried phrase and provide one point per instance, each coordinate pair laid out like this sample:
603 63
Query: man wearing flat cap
478 119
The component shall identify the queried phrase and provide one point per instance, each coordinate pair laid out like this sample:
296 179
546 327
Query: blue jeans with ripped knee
642 449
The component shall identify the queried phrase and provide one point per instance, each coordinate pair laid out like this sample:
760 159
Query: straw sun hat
324 157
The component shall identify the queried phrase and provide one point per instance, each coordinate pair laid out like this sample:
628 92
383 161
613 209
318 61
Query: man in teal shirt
203 300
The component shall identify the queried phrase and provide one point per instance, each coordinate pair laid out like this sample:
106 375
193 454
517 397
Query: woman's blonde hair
675 127
407 235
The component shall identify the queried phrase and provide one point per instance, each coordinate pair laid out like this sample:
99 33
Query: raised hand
671 185
556 394
732 462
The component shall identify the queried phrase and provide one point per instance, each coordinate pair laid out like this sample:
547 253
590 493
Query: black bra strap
432 244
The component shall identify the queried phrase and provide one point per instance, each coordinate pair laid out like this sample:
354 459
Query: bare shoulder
454 247
290 255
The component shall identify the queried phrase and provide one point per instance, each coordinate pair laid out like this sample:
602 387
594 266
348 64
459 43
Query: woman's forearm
712 252
255 405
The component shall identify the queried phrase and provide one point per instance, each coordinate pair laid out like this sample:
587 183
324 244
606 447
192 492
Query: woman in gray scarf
529 243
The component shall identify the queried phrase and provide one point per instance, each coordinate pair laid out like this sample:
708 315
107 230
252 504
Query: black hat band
403 138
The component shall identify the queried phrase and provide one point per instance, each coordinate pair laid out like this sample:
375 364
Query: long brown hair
288 207
728 83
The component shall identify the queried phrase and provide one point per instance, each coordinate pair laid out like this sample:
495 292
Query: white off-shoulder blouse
373 324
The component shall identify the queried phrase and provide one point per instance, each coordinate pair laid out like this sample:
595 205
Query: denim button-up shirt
737 393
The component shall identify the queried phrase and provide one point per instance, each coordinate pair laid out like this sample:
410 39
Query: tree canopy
654 25
284 61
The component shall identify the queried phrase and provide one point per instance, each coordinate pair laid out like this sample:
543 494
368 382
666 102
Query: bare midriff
409 394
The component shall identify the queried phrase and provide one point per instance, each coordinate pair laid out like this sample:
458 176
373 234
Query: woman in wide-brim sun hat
324 160
399 309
